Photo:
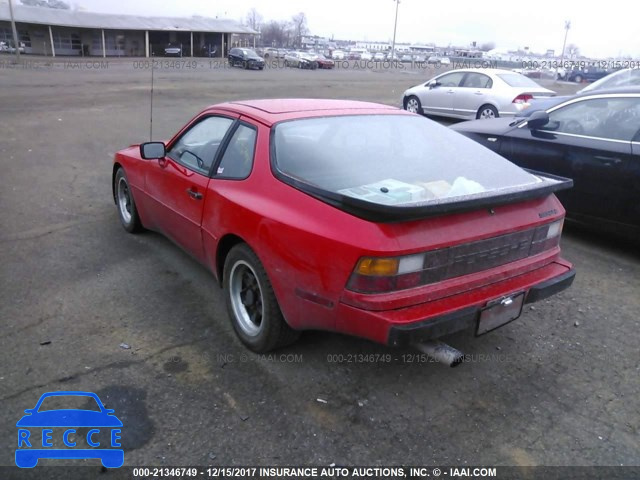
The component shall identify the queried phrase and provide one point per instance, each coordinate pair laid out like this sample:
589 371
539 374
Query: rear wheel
126 205
251 303
413 105
578 79
487 111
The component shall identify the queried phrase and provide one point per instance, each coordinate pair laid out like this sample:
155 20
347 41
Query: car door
176 185
438 100
588 140
473 92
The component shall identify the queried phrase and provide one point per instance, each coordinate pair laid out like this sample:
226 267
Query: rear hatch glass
393 167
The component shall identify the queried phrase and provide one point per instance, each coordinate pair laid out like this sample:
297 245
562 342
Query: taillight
388 274
523 98
546 237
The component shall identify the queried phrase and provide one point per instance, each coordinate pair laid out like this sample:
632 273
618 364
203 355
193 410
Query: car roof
270 111
605 91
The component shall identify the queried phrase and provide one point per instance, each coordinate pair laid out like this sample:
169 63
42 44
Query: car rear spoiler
379 213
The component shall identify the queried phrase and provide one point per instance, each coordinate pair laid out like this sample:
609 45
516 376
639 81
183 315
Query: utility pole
395 28
567 26
15 31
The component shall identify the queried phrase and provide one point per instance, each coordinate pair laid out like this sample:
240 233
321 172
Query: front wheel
413 105
126 205
252 304
487 112
578 79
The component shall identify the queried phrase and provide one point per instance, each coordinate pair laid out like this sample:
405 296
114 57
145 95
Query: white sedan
474 93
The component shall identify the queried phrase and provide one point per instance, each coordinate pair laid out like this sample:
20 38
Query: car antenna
151 104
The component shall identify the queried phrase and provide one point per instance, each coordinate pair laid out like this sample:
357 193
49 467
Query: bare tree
486 46
254 19
572 50
299 27
276 34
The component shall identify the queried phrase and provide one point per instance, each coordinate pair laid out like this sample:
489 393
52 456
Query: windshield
69 402
622 78
517 80
250 53
392 160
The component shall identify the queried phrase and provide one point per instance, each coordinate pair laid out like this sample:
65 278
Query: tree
486 46
572 50
276 34
254 19
299 27
59 4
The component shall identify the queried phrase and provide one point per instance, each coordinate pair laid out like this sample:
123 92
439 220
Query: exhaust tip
441 352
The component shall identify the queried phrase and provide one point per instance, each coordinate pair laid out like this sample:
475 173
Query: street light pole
567 26
395 28
15 31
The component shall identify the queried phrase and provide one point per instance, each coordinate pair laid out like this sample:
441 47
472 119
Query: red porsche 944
348 216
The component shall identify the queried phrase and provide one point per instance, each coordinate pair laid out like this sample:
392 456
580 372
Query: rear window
517 80
391 160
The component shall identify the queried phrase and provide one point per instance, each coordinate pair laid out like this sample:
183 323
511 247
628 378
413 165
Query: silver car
474 93
629 77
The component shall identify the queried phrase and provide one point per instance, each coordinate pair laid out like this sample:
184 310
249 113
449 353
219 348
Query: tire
577 79
487 111
251 304
286 63
245 64
413 105
127 210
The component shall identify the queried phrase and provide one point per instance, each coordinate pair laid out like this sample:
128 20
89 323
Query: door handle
193 194
608 161
449 91
478 93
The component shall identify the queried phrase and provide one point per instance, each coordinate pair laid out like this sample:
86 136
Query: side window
197 148
609 118
451 79
477 80
237 160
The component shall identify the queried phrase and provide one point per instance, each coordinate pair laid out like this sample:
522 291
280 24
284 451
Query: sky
608 29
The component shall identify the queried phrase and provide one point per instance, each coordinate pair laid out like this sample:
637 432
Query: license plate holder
498 313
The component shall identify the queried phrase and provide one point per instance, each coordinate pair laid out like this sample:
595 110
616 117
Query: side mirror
433 84
152 150
537 120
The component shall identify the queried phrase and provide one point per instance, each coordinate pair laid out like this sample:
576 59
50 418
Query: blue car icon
32 447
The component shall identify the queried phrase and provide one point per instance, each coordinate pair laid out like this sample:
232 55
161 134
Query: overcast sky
608 29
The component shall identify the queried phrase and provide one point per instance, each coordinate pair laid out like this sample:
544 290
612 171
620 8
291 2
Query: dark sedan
592 138
245 58
590 74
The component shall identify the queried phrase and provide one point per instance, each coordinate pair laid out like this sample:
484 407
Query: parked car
433 59
589 74
337 55
173 50
627 77
366 56
379 56
300 60
324 62
593 138
245 58
354 56
296 209
474 93
270 53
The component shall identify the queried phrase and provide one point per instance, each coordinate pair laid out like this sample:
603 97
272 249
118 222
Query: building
49 31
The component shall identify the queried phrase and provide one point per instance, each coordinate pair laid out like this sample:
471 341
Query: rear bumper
448 315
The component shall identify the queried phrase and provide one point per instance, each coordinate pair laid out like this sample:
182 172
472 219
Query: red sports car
348 216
